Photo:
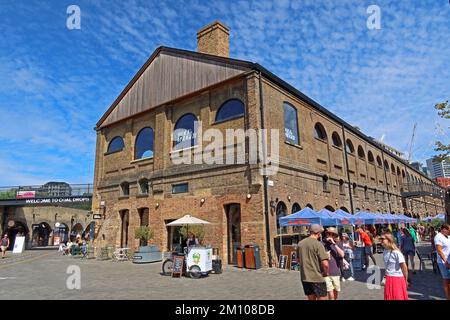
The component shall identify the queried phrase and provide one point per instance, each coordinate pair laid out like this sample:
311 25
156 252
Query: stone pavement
42 275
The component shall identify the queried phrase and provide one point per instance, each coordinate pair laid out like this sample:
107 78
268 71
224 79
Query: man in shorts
313 261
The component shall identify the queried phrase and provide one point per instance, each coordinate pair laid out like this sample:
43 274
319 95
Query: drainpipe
387 184
266 197
348 173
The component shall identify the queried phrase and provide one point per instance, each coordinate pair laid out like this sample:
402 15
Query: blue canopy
328 218
365 217
305 217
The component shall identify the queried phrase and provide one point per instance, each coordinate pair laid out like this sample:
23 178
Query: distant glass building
438 169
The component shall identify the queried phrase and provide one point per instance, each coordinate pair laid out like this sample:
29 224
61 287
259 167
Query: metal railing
422 189
48 190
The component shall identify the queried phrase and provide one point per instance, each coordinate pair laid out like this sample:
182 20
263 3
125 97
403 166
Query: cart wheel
195 272
167 267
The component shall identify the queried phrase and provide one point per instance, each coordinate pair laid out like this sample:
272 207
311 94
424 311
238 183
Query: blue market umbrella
304 217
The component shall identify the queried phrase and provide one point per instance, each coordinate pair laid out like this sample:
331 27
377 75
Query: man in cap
336 252
313 261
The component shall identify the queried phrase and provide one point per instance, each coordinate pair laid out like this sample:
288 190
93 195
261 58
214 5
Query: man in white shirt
442 243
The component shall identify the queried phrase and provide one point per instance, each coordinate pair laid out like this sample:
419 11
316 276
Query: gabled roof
201 66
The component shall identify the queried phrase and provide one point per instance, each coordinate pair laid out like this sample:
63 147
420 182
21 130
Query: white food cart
199 261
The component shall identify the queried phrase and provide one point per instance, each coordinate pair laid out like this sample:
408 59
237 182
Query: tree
444 149
144 234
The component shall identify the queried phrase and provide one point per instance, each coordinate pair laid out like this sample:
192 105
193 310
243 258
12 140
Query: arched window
144 143
344 209
341 187
310 206
290 123
116 144
370 157
393 168
337 142
319 132
349 146
398 171
325 183
330 208
231 109
281 212
185 132
361 153
296 208
379 162
386 165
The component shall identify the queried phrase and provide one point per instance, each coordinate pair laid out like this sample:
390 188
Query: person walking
4 245
421 230
408 248
336 255
313 263
413 233
442 243
396 270
348 255
367 247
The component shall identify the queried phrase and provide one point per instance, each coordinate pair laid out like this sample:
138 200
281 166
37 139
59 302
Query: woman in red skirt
396 270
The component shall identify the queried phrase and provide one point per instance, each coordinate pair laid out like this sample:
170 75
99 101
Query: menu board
178 262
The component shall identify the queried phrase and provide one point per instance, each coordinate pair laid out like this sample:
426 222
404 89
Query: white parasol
187 220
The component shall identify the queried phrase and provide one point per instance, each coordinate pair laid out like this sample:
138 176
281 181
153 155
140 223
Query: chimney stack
213 39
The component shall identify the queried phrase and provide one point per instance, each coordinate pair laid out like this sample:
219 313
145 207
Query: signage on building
58 200
19 244
270 183
25 194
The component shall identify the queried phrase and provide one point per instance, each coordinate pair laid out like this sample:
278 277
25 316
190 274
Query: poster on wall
19 244
56 240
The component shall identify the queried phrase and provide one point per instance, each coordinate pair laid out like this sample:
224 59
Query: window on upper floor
180 188
361 153
125 189
290 124
185 132
143 186
349 146
115 145
144 143
370 157
319 132
231 109
337 142
379 162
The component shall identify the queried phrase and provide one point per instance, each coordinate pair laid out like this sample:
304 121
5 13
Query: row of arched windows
292 136
184 133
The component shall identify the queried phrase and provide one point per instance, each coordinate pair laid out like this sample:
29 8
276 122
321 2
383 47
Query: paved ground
41 274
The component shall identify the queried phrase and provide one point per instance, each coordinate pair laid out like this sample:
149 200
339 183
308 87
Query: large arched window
231 109
319 132
290 123
349 146
386 165
296 207
116 144
379 162
144 143
370 157
392 168
361 153
281 212
185 132
337 142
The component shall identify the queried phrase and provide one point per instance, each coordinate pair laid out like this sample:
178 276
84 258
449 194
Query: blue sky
55 83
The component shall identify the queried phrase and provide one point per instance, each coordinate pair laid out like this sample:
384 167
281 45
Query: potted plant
144 234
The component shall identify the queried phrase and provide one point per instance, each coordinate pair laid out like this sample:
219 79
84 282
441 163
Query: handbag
345 264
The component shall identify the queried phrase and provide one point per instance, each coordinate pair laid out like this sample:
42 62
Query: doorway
233 212
125 217
175 240
41 234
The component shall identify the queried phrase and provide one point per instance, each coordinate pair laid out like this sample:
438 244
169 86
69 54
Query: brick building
323 161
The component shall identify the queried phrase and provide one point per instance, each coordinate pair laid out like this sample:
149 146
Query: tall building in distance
438 169
418 166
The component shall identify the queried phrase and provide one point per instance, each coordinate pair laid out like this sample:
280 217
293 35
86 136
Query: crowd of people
78 246
326 259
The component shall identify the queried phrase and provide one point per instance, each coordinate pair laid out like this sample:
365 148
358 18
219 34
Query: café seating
121 254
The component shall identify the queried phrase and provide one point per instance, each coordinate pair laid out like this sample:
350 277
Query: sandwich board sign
19 244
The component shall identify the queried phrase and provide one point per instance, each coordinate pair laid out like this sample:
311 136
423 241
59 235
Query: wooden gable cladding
168 76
